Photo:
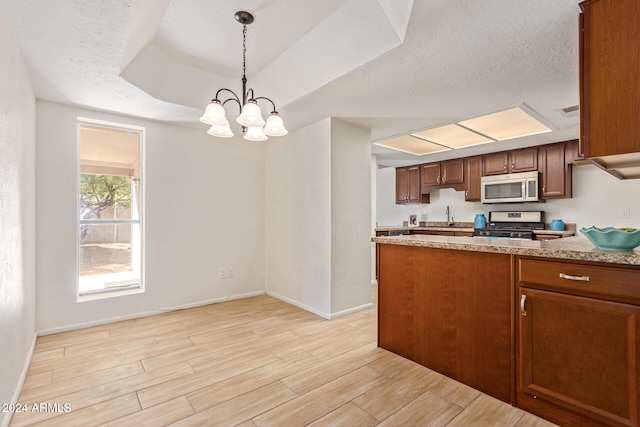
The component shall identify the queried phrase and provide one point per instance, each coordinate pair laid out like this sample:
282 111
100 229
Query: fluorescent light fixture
507 124
411 145
512 123
453 136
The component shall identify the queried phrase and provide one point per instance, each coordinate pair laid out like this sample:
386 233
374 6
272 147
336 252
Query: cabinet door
523 160
430 174
555 172
413 178
495 163
452 172
610 84
579 354
472 174
402 185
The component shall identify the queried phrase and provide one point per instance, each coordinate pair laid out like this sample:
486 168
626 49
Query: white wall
317 218
298 218
17 219
597 200
204 211
350 217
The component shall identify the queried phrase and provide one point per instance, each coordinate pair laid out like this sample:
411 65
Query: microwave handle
524 188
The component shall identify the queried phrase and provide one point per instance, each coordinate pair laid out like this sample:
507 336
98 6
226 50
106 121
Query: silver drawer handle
577 278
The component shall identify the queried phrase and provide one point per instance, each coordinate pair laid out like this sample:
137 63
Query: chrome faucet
449 219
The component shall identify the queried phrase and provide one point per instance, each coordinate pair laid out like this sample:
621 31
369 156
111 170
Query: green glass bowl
613 238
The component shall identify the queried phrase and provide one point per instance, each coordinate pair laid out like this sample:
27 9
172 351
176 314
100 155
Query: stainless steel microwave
510 188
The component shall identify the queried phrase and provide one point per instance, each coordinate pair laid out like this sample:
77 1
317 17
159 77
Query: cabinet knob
513 166
444 179
504 167
438 179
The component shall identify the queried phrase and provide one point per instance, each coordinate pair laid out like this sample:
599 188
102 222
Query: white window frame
103 294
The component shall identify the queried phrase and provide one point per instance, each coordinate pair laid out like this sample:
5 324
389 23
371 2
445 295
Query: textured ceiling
395 66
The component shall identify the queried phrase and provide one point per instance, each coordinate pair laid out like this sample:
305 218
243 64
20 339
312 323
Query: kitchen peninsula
548 326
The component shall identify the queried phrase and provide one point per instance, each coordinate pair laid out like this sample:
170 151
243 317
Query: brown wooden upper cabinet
472 174
609 83
555 170
408 185
522 160
449 173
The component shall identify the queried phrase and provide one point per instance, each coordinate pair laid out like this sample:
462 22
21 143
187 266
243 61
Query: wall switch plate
624 212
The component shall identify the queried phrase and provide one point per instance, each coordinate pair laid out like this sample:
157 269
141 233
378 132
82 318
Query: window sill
108 294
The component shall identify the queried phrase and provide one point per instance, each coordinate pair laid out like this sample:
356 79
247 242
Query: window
110 220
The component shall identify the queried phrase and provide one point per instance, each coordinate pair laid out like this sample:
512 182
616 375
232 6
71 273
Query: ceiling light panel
507 124
453 136
412 145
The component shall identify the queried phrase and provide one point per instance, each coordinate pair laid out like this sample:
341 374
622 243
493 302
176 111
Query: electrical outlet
229 272
624 212
223 273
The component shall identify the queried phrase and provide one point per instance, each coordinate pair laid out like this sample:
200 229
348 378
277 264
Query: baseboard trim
83 325
6 421
299 305
351 310
318 312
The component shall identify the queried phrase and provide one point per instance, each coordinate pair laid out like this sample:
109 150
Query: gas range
512 224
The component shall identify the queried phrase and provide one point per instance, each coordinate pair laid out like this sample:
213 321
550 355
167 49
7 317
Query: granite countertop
570 229
434 226
570 248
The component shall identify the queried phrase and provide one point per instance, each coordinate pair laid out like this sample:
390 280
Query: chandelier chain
244 50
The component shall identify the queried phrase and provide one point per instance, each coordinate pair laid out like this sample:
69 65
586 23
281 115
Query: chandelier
254 126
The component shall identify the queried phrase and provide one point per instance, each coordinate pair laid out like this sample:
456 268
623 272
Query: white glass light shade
214 115
255 133
221 131
251 115
275 126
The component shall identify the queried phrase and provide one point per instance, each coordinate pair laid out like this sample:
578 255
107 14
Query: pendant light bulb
275 125
251 115
221 131
255 133
214 114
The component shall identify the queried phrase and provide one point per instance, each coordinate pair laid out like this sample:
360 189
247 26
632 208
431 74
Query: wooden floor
249 362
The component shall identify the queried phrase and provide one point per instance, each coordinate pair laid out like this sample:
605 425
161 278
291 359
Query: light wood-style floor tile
251 362
427 410
487 411
346 415
326 398
242 408
385 399
160 415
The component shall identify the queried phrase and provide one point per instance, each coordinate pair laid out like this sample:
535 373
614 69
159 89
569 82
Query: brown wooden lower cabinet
578 342
450 311
563 344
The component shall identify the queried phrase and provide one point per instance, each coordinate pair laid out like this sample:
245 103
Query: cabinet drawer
616 283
